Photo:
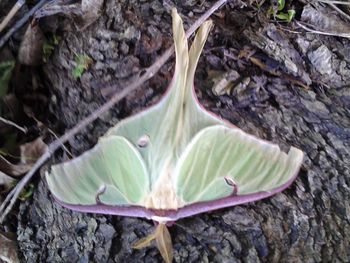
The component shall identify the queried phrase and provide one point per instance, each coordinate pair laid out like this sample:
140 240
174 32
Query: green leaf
276 13
281 4
49 46
83 62
287 17
6 69
27 192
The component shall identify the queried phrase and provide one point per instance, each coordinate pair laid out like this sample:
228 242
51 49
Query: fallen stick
11 198
11 123
21 22
11 14
313 31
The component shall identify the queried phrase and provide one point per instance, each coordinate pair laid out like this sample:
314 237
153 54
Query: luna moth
174 159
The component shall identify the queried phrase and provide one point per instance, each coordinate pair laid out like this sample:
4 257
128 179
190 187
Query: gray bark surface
309 222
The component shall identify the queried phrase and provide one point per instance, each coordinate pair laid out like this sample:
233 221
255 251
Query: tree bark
309 222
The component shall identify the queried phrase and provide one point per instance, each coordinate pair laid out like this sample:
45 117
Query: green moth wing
174 159
169 125
91 178
221 161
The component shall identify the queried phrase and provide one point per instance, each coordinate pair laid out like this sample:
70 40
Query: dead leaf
6 180
13 169
30 51
84 14
13 107
8 249
6 68
164 243
324 19
91 12
150 44
224 83
93 7
55 7
31 151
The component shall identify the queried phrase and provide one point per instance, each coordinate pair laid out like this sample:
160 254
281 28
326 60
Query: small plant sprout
83 62
174 159
49 46
277 11
6 69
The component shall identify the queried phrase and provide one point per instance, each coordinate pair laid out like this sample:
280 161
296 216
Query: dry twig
341 12
334 2
11 14
8 122
310 30
8 203
21 22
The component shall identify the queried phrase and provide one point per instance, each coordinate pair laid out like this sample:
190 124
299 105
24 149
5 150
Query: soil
309 222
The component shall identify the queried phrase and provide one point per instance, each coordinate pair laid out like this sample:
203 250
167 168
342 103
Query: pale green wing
174 153
112 173
170 125
222 161
155 130
196 117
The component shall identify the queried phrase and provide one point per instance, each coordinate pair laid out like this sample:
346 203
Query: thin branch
8 203
341 12
64 147
334 2
8 122
288 30
310 30
21 22
11 14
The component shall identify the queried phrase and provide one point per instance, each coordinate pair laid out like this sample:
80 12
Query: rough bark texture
309 222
